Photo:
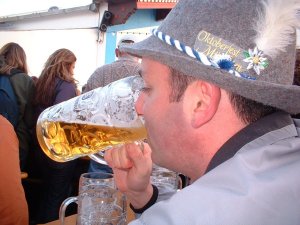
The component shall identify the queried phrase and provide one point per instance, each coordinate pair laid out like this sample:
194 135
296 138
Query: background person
222 119
297 73
15 65
55 84
13 207
126 65
297 68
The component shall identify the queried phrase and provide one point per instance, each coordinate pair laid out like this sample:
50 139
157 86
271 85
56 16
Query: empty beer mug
168 182
99 202
92 122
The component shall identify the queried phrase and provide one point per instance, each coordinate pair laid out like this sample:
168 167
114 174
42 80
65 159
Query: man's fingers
107 157
138 151
117 158
141 158
126 156
124 161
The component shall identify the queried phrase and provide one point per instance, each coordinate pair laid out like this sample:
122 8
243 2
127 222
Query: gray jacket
259 184
125 66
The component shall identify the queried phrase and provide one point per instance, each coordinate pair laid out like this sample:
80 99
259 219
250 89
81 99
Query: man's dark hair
247 110
178 83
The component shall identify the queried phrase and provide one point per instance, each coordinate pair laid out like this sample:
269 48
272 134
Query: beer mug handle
63 207
99 156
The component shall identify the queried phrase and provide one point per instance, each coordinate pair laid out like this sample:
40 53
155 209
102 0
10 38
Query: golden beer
63 141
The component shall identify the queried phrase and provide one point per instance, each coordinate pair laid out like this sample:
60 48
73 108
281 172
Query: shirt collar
254 130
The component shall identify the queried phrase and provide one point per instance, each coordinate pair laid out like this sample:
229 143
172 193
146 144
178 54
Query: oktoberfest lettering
215 45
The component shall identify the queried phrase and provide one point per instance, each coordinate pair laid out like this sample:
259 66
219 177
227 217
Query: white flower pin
256 60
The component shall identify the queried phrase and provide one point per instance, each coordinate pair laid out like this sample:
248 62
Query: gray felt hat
243 46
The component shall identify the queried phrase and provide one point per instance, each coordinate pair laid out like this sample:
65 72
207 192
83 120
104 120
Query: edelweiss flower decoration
256 60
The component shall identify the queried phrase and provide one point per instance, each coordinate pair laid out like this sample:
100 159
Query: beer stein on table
168 182
99 201
90 123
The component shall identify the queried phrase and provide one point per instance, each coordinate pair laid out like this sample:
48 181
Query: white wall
39 45
40 37
72 19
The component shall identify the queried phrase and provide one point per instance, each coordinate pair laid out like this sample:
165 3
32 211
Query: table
71 220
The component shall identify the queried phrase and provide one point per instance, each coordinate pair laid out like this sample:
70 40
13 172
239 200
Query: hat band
224 62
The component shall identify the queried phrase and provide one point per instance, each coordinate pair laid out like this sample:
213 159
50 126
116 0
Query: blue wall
141 18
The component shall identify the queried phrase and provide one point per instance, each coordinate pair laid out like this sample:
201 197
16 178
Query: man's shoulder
96 79
100 70
117 63
22 81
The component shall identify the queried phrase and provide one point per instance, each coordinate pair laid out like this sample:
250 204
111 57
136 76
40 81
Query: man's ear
205 102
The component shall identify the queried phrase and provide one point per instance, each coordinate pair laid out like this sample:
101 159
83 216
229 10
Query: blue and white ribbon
195 54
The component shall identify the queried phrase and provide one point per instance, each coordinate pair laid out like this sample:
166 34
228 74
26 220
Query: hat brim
260 91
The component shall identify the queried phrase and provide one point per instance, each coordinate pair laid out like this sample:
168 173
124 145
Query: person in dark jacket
14 64
297 73
55 84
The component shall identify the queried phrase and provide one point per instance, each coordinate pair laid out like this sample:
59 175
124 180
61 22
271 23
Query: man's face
165 121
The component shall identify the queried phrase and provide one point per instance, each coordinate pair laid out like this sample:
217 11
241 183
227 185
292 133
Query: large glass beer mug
92 122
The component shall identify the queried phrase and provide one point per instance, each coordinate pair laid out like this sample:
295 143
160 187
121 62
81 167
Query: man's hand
132 169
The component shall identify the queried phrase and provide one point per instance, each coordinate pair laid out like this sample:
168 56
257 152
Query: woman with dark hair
14 64
55 84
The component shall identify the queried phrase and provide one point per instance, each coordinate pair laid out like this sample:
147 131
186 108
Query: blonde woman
55 84
13 63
